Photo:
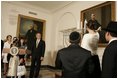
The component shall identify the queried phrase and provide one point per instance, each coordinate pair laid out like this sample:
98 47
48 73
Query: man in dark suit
109 60
96 23
30 36
37 55
74 61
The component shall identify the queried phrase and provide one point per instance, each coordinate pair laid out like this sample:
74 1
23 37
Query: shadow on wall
54 55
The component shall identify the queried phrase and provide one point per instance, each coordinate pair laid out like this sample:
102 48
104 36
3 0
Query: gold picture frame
109 6
24 20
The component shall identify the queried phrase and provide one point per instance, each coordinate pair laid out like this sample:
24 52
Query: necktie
36 44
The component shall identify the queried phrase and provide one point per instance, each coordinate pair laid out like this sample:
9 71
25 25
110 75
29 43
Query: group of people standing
33 43
80 59
7 45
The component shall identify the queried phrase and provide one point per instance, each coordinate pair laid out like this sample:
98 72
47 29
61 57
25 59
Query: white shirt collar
112 40
38 40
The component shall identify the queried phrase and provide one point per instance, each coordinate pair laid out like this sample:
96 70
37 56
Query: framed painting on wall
25 22
104 13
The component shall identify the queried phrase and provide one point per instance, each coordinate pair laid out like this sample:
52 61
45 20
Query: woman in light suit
90 42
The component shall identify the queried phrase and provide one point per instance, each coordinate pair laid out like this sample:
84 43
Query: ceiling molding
21 4
45 6
62 7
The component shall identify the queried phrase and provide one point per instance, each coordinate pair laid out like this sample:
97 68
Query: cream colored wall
9 16
69 17
65 18
73 20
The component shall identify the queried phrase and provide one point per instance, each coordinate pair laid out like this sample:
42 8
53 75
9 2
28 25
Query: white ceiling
48 5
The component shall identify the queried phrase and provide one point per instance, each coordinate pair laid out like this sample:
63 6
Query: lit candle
85 22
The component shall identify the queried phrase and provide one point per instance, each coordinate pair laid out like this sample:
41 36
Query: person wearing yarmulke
74 61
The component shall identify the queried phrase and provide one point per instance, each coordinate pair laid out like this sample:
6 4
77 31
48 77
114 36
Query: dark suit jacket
40 50
30 36
96 23
109 61
74 62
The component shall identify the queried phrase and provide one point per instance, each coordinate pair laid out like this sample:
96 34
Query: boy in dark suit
109 60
